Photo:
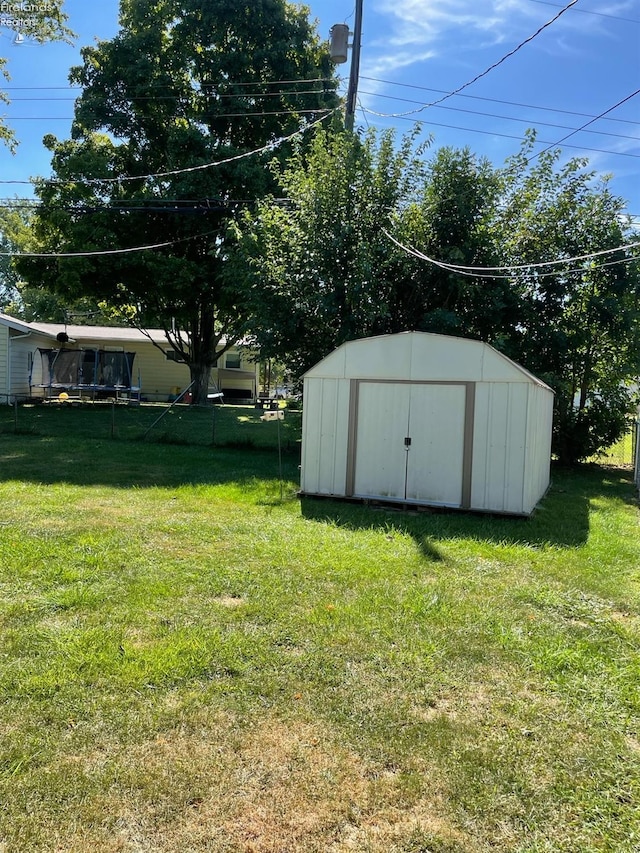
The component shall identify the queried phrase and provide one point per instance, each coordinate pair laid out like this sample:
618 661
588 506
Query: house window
232 360
171 355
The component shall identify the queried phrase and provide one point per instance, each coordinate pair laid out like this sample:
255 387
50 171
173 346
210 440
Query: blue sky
414 52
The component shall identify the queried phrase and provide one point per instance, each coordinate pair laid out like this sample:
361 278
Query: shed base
413 506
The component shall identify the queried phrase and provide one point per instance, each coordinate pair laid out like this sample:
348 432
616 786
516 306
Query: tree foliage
181 86
580 321
30 302
323 270
317 265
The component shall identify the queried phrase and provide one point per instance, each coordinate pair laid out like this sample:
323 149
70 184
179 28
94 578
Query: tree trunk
200 376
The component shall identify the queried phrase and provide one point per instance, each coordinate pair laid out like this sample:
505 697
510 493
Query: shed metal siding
538 455
419 356
325 417
498 479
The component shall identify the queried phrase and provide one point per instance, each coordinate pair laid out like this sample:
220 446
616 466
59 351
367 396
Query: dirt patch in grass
284 785
230 601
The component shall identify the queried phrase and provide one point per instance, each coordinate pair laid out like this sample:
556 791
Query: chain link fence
624 453
216 425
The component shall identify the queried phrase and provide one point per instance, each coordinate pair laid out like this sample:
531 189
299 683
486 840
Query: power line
200 119
163 85
590 12
104 251
584 126
268 147
494 100
188 96
586 257
506 118
430 123
486 71
487 272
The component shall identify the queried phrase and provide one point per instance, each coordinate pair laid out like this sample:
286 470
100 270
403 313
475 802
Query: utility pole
352 92
339 33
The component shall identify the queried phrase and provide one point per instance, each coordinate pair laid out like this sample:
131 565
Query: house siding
20 355
4 364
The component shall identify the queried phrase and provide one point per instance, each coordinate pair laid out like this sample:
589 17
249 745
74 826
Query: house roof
21 326
101 333
106 334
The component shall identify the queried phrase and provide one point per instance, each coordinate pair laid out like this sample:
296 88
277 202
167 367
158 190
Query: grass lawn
193 659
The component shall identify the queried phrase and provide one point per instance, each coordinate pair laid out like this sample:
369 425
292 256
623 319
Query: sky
414 52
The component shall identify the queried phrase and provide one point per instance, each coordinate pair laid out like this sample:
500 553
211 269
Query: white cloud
382 65
429 28
427 21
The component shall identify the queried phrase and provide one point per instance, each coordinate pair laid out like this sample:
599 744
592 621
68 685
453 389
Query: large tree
324 269
315 260
181 86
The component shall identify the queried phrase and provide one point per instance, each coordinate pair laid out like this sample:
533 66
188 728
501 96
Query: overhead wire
186 97
431 123
507 118
584 126
496 272
270 146
201 119
100 252
590 12
163 85
320 91
493 100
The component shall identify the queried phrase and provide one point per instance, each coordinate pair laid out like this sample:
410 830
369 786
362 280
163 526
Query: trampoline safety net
88 369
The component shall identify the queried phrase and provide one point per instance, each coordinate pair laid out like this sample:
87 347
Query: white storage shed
426 419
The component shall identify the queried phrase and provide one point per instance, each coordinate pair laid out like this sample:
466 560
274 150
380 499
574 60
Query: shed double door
410 442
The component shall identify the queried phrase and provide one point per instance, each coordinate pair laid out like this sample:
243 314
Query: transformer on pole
339 43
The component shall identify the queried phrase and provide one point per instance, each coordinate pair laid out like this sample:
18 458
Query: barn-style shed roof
416 356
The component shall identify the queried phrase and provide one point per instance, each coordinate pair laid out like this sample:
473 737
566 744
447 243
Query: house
26 353
424 419
18 341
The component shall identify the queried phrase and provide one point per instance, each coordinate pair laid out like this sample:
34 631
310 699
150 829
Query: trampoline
97 374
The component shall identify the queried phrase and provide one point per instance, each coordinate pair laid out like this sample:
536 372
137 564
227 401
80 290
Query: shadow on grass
561 520
48 460
236 427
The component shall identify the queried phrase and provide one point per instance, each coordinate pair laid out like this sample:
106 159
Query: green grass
621 453
193 659
220 426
